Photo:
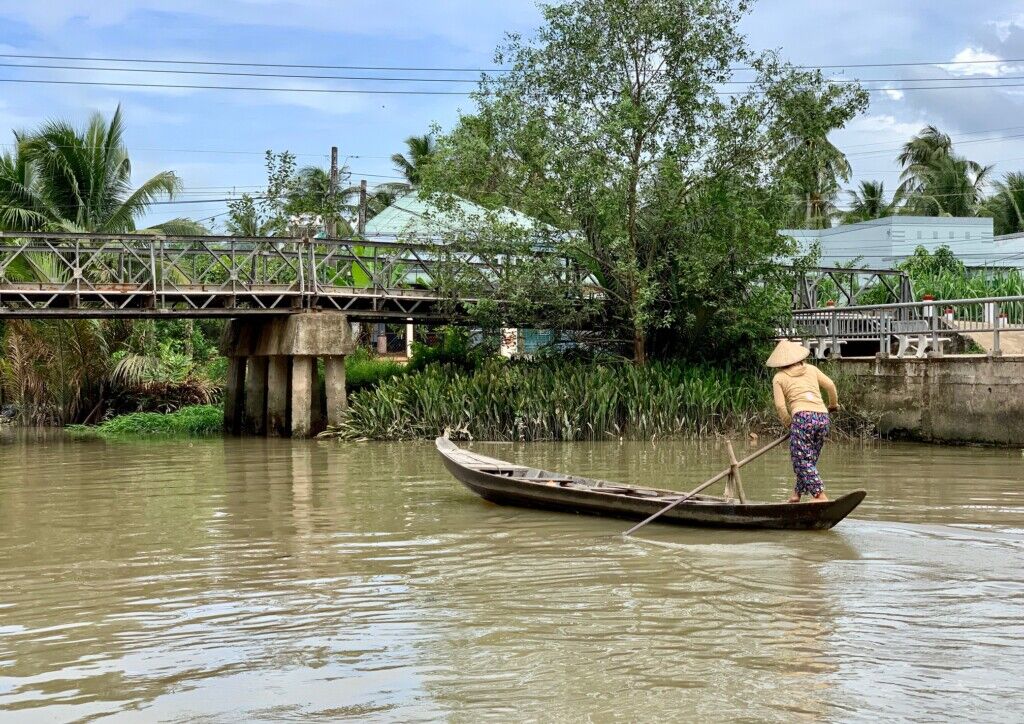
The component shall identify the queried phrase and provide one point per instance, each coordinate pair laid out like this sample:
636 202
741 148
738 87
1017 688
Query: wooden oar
709 482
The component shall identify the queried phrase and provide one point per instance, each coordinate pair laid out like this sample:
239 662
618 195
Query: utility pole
332 225
362 207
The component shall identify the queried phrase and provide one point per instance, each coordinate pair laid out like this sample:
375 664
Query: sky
215 139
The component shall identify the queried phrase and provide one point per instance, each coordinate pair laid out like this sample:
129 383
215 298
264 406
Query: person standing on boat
796 388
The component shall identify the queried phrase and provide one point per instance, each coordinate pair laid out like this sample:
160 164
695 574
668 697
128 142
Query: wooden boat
509 484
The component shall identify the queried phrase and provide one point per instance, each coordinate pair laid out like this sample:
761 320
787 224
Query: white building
883 243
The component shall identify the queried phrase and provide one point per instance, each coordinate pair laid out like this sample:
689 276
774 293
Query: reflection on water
261 579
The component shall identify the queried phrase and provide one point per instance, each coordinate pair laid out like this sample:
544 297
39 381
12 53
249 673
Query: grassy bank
567 401
194 421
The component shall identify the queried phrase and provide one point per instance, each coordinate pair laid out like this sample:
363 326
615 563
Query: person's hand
833 408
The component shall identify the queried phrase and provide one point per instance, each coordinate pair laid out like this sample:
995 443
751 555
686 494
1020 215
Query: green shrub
194 421
453 349
363 370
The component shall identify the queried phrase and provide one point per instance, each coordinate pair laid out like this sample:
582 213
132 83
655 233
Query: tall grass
952 285
194 421
558 401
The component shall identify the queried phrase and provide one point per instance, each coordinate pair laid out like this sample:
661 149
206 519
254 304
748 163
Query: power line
166 61
53 66
958 136
184 86
391 79
377 91
862 154
163 61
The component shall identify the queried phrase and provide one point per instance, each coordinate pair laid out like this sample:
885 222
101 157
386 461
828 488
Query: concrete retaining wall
953 398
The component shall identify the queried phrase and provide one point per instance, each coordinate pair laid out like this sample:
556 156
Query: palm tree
84 176
868 202
936 181
950 186
814 164
60 178
421 149
309 191
23 206
1006 205
918 154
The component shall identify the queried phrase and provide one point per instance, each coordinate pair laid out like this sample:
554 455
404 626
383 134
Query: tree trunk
639 347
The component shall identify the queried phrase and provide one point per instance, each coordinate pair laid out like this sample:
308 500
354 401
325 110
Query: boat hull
503 489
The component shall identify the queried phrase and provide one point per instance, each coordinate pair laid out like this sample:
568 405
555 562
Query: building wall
949 399
881 243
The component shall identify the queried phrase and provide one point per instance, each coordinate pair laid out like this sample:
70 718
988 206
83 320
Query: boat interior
548 478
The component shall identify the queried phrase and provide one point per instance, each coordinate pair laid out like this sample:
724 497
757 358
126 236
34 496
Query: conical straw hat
787 353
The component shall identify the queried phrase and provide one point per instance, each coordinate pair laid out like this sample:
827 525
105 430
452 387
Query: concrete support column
234 393
302 391
410 333
283 395
254 417
334 381
319 404
278 392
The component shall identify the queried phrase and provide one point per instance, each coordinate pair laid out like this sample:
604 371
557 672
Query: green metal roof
411 215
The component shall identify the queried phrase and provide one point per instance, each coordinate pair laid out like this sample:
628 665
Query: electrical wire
165 61
306 76
238 74
405 92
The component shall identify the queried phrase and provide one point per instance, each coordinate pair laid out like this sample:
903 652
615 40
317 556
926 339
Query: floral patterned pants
808 433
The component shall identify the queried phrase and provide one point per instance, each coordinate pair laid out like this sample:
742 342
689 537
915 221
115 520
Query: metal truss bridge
45 275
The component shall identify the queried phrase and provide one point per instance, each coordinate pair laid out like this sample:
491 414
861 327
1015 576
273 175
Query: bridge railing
44 272
909 327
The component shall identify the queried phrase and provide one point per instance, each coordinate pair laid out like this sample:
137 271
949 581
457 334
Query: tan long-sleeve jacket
797 389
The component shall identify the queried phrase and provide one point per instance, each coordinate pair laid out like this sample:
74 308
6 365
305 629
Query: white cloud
974 61
894 94
884 126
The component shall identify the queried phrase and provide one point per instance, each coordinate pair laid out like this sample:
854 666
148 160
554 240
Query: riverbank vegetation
191 421
555 399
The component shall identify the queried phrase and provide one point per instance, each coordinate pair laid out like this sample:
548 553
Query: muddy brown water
248 580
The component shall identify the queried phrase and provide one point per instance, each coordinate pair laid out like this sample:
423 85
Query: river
241 580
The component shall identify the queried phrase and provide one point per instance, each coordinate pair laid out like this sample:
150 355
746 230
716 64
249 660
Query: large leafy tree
612 124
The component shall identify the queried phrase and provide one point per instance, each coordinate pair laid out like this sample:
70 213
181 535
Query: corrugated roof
411 215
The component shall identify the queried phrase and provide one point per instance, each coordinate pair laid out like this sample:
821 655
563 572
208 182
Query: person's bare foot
820 497
794 498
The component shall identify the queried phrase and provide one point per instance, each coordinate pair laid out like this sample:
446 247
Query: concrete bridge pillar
279 368
273 380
